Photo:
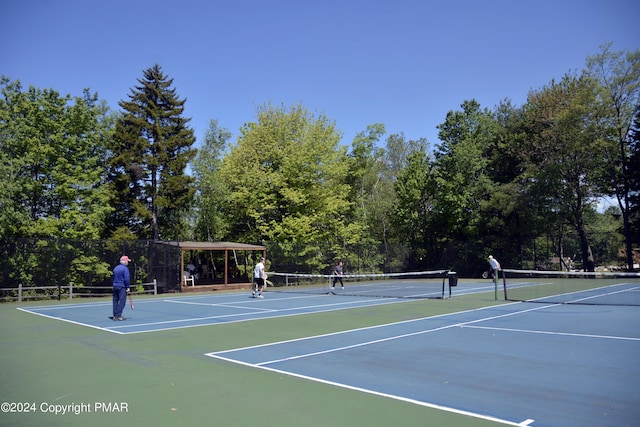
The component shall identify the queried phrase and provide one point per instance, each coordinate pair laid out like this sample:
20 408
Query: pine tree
151 148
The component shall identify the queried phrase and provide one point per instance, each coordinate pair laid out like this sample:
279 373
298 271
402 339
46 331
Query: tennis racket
131 301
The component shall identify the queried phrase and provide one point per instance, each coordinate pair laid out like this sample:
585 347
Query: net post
448 277
452 280
444 278
449 282
19 292
155 287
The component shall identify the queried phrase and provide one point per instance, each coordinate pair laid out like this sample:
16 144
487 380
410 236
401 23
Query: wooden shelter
217 265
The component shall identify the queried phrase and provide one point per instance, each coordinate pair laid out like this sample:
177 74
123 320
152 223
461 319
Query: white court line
395 337
605 294
226 305
263 365
524 423
381 394
68 321
249 300
527 331
372 327
140 299
65 306
325 307
578 292
121 328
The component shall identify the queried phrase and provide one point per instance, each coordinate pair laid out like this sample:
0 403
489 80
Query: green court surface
164 378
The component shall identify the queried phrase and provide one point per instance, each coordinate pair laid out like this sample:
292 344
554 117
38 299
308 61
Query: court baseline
185 312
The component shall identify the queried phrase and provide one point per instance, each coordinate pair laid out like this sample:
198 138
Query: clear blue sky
403 63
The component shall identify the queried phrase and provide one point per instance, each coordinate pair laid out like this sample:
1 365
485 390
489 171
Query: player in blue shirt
121 284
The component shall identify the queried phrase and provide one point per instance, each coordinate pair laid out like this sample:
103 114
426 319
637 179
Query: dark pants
337 279
119 300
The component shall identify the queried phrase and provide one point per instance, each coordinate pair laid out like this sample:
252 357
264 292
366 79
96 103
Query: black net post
452 277
504 284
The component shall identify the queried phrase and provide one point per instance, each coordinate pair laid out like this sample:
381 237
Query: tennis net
422 284
556 287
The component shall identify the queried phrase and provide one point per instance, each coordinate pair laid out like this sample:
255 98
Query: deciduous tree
212 197
53 150
286 177
566 142
618 75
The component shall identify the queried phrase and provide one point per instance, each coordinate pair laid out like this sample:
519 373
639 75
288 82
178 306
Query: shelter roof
204 246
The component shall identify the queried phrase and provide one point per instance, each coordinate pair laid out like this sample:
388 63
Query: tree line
521 182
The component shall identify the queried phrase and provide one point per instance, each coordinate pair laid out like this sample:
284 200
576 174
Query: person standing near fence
495 272
259 277
495 267
337 275
121 285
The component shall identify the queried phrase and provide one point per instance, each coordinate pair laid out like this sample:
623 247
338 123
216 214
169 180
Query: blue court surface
516 364
174 312
521 364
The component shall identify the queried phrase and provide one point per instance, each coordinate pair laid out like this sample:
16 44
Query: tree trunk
588 262
627 235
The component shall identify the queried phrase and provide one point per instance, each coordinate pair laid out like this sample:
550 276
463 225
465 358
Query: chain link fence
59 263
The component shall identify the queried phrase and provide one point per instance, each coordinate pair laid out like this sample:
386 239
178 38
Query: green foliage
212 195
508 220
566 133
632 220
463 181
86 269
618 77
286 179
415 190
518 182
53 150
364 173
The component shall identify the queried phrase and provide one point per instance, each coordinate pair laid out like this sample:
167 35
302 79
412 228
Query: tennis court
181 312
313 359
178 311
518 364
